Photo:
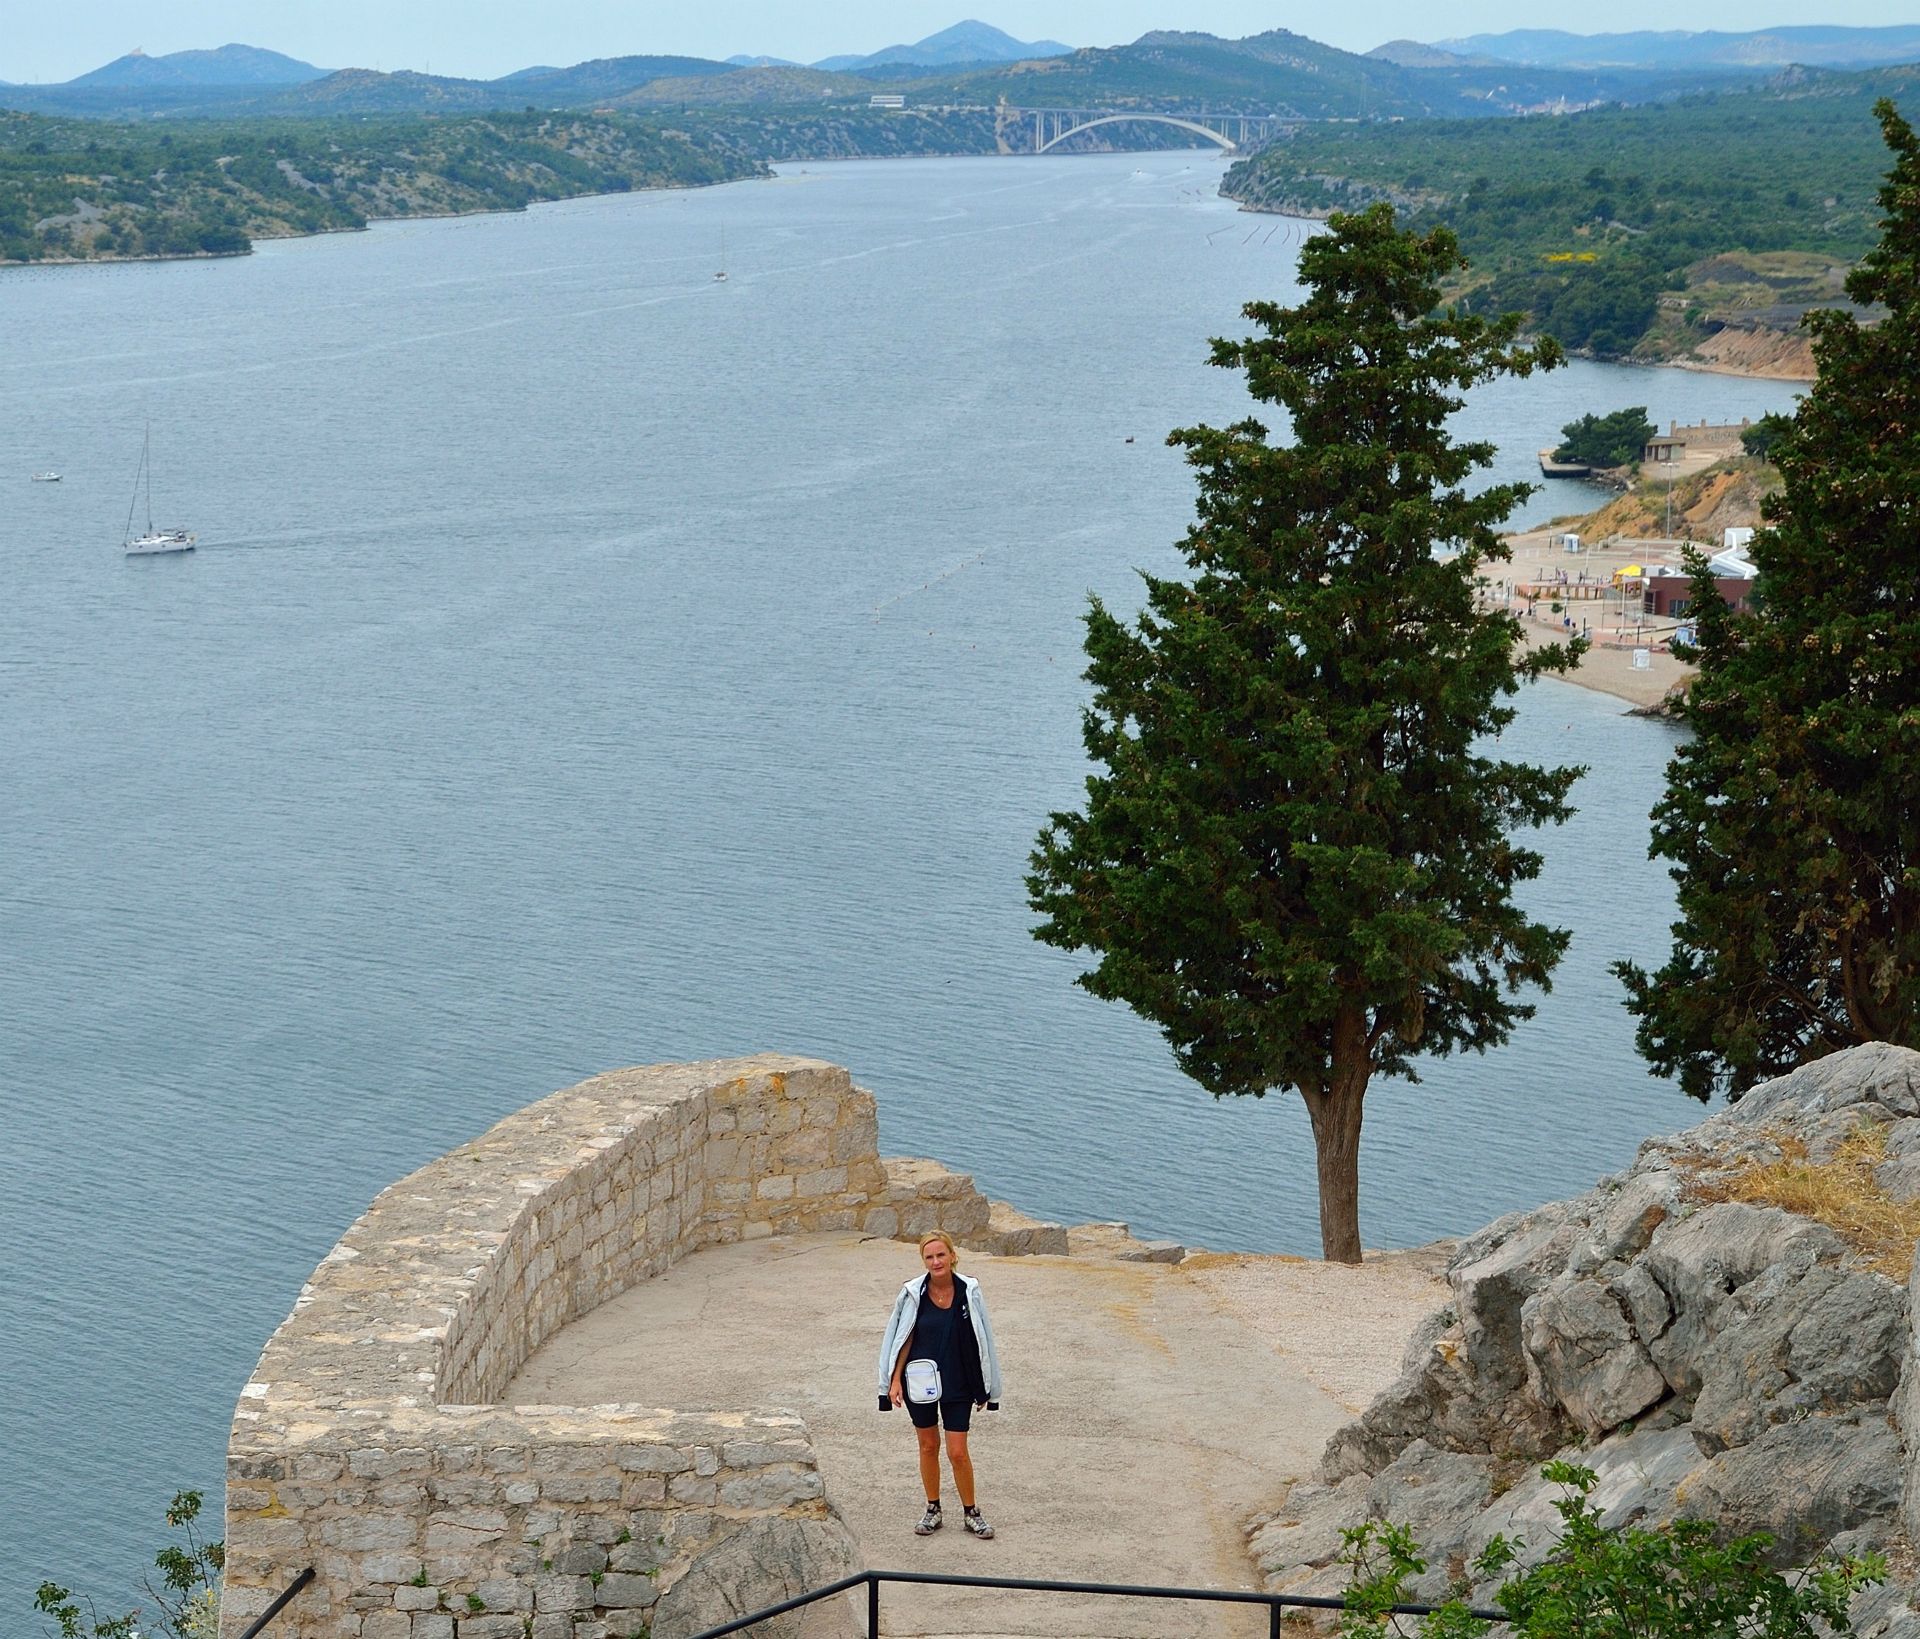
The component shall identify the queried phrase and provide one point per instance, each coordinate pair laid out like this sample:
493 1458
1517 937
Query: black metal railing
280 1603
1276 1603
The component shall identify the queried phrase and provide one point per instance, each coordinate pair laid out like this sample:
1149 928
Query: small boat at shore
155 540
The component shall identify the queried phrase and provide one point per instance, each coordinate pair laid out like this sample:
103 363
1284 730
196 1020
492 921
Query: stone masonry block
505 1593
581 1488
690 1488
643 1490
760 1453
653 1459
562 1593
620 1590
769 1488
580 1559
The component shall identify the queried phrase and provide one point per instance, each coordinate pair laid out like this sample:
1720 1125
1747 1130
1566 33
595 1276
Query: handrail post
279 1604
873 1605
1273 1620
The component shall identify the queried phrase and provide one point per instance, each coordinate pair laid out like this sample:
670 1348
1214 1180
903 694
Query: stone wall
369 1444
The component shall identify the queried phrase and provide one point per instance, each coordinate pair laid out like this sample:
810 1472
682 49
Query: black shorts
956 1414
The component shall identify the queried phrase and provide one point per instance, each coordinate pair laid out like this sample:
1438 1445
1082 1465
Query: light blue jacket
906 1310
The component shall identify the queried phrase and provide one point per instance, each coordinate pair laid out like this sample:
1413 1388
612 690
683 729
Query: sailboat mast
133 500
146 460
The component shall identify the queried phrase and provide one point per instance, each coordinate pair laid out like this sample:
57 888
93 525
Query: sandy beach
1629 656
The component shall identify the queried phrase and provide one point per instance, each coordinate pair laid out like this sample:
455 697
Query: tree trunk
1335 1110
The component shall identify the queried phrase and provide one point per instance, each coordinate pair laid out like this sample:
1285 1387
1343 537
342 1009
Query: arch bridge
1232 132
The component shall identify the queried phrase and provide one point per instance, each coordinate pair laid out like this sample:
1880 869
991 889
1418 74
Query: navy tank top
936 1337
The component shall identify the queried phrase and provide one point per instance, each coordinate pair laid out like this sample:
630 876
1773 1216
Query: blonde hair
946 1240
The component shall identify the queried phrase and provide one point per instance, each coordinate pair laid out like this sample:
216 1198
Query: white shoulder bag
922 1378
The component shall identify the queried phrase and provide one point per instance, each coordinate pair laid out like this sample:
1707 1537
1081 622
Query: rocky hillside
1723 1331
1726 495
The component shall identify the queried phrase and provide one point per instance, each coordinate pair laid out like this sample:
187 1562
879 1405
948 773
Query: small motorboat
46 477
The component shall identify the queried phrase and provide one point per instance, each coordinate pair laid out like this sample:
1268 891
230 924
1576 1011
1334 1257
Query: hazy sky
46 40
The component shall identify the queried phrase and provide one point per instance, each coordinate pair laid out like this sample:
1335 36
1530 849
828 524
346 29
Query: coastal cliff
1723 1331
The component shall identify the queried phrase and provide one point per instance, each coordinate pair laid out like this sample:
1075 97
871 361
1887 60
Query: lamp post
1668 465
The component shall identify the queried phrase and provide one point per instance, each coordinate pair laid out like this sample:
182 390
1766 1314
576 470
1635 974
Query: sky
43 40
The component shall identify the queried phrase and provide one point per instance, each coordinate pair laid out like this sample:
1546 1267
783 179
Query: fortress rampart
370 1443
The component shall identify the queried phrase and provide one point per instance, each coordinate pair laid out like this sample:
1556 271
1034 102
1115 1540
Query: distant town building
886 99
1668 589
1664 447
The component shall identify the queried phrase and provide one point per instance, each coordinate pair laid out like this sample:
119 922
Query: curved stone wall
368 1443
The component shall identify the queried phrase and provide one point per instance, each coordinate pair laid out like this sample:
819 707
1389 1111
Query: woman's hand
894 1392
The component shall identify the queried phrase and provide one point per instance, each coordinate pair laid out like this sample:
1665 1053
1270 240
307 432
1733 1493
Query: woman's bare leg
961 1464
929 1439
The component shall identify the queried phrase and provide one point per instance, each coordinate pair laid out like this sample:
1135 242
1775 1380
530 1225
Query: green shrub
1672 1581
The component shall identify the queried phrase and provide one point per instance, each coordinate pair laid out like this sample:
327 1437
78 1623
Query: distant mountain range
968 42
974 66
227 65
1814 46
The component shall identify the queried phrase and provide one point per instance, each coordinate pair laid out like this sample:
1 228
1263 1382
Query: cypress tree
1792 818
1296 855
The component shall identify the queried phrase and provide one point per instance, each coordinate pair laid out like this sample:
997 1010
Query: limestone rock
1700 1261
1803 1483
1629 1217
1830 1339
767 1560
1116 1240
1011 1233
1637 1476
1899 1174
1441 1325
1438 1494
1582 1355
1878 1073
1723 1360
1305 1534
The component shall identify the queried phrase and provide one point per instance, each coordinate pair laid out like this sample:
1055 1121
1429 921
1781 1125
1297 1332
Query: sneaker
930 1521
976 1523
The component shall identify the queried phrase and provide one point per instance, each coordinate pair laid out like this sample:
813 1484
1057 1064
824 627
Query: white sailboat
155 540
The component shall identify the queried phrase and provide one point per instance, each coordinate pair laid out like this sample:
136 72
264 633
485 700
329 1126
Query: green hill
1612 228
82 190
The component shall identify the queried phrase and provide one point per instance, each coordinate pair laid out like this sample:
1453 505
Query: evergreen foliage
1759 439
1606 440
1677 1580
1296 854
1792 818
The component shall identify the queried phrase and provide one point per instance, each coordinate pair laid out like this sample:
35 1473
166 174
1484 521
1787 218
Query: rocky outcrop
1707 1357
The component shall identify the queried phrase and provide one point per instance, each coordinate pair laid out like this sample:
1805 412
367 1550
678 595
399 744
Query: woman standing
938 1360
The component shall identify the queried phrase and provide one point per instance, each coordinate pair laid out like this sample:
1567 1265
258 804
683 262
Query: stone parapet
369 1443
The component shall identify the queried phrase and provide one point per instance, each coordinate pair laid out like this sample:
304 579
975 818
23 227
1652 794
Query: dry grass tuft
1840 1193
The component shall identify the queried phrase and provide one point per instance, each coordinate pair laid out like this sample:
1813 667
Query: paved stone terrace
1150 1408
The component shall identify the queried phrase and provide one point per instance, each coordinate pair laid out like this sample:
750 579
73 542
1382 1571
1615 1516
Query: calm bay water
588 663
